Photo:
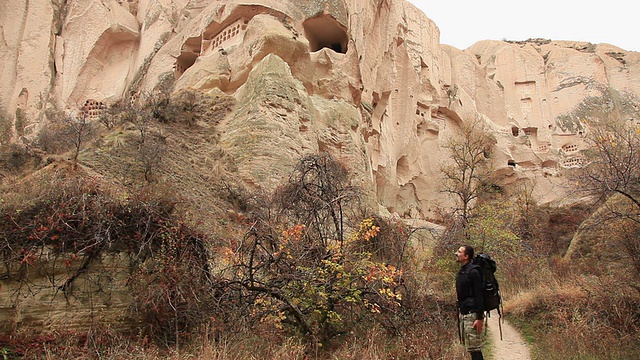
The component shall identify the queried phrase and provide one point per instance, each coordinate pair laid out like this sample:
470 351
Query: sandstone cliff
366 80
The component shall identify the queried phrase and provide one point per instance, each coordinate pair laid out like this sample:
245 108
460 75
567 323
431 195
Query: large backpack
490 286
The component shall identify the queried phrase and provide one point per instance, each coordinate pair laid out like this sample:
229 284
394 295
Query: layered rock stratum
368 81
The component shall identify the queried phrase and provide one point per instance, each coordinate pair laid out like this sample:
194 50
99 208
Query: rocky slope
367 80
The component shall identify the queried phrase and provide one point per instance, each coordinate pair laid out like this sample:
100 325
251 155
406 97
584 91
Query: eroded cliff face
365 80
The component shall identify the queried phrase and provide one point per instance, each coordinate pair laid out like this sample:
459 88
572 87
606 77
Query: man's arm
478 297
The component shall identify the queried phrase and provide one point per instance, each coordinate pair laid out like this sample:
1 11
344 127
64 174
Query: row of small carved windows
227 34
93 104
93 108
573 162
515 131
565 163
92 113
542 148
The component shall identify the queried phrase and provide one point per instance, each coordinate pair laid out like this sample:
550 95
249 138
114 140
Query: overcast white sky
464 22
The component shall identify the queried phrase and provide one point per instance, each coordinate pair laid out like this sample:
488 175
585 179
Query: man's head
465 254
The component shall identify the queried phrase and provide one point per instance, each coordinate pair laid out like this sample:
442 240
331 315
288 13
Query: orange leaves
385 278
29 259
228 253
371 233
366 232
293 234
322 285
387 275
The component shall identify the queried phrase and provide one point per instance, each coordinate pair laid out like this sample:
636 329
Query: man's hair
468 250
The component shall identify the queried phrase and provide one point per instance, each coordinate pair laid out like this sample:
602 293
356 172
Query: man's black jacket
469 290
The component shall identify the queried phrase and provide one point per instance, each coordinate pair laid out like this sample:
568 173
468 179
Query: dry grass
580 316
374 344
186 158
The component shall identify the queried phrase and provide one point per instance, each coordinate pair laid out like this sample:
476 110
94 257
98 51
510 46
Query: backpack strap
488 315
500 318
467 273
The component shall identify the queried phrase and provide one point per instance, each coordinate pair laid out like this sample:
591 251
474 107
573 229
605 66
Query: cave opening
324 31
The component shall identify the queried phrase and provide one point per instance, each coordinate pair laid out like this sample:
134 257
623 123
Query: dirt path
511 347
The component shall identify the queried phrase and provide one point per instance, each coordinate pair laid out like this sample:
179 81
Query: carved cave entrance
190 52
325 32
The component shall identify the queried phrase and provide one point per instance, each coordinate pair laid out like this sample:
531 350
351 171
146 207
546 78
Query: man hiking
470 303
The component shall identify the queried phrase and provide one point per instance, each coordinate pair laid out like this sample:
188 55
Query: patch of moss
5 127
152 16
570 124
21 121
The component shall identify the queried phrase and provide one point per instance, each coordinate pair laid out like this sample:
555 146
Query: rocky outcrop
367 80
275 111
37 298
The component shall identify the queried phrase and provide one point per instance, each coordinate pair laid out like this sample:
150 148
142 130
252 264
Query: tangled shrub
305 265
319 291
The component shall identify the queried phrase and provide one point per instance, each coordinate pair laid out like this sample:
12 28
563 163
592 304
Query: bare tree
306 261
316 195
467 173
66 132
150 153
80 128
612 124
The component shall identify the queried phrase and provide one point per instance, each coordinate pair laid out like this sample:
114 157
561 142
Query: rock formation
367 80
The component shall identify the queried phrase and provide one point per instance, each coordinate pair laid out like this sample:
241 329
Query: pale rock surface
27 42
379 61
97 47
97 298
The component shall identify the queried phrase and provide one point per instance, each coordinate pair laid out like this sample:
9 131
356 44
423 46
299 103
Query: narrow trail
511 347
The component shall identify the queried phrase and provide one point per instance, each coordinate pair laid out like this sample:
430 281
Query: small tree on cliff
467 173
317 193
66 132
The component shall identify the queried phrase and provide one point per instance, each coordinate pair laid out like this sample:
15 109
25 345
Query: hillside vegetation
135 227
